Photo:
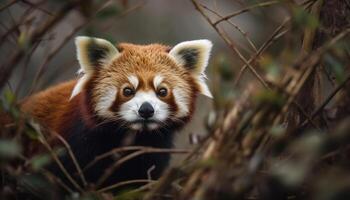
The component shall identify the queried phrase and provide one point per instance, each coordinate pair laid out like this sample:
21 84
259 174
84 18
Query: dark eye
128 92
162 92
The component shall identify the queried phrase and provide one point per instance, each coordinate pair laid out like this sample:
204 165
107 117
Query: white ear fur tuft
204 87
79 85
194 56
94 52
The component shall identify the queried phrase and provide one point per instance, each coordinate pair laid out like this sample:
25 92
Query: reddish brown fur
49 106
86 120
53 108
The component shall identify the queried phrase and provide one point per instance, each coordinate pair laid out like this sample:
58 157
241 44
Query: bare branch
144 150
229 43
259 5
7 68
123 183
274 36
72 156
59 163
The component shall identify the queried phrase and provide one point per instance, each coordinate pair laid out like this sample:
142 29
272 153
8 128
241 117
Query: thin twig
112 152
123 183
274 36
37 6
146 150
47 173
7 68
51 55
71 154
259 5
229 43
25 68
327 100
60 165
57 180
22 20
8 5
244 34
307 65
42 67
142 188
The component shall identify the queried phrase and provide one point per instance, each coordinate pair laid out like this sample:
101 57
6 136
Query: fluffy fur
100 110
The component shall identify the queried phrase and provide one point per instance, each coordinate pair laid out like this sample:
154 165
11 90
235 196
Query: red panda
147 91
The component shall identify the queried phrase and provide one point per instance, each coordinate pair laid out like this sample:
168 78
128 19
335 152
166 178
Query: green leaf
225 68
33 130
40 161
9 96
37 185
32 134
270 97
210 162
277 130
304 19
22 40
129 195
9 149
336 67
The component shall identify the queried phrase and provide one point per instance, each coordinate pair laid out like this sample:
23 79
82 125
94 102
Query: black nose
146 110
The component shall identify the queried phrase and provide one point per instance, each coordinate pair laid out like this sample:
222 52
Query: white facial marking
158 79
136 126
152 126
133 80
79 85
129 110
182 101
105 102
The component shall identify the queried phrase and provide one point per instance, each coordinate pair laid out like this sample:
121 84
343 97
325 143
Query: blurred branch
132 9
111 153
25 68
72 156
123 183
196 177
245 35
52 54
237 148
59 163
306 66
321 107
7 68
259 5
22 20
278 33
144 150
37 6
8 5
57 180
229 42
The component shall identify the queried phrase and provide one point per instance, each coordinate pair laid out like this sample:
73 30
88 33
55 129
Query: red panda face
142 87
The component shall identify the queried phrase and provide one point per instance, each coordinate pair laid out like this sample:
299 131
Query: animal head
145 87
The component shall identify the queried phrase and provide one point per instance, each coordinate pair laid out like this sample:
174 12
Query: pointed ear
194 56
93 52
